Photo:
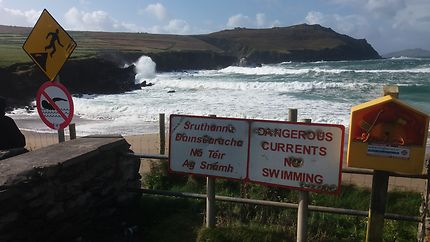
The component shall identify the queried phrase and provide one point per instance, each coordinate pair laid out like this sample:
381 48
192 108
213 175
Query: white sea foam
145 69
323 92
278 70
414 70
244 85
405 58
263 70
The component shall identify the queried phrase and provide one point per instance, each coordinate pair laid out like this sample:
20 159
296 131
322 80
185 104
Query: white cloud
315 17
381 9
238 20
174 26
385 8
260 21
94 21
393 14
157 10
354 25
414 16
388 25
76 19
177 26
18 17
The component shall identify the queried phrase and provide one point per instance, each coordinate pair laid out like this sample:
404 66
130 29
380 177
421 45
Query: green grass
11 54
240 233
244 222
170 219
167 219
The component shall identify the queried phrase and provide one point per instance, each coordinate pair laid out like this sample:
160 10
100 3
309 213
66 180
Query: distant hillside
414 53
296 43
173 52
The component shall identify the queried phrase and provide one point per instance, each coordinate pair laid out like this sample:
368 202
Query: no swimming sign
54 105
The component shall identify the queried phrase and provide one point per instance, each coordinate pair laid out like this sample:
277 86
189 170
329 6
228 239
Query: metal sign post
302 211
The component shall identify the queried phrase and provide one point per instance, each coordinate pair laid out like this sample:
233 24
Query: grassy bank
165 219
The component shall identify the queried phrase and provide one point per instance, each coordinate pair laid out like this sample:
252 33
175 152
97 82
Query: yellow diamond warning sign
49 45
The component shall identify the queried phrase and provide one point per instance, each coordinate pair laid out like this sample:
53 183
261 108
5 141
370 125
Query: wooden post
72 131
162 120
392 90
378 199
61 136
292 115
375 225
424 226
302 211
210 200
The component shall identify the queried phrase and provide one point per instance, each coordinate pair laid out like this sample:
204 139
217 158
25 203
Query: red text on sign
216 167
294 148
296 134
293 176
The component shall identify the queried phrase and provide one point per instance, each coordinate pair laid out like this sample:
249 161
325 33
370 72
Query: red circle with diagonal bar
54 105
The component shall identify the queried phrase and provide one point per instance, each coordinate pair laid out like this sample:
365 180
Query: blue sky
388 25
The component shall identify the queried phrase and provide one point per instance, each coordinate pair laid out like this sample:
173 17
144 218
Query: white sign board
304 156
208 146
296 155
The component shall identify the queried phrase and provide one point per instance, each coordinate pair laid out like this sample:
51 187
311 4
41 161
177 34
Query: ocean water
323 91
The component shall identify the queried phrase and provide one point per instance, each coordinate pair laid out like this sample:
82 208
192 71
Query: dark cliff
296 43
19 83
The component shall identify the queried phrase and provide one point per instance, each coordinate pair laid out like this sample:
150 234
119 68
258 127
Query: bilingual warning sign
303 156
208 146
54 105
49 45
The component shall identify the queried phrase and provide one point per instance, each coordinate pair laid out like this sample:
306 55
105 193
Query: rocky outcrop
97 76
19 83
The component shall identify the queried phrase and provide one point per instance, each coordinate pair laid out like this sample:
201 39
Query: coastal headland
103 61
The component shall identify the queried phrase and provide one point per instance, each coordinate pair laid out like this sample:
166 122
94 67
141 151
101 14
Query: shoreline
145 143
142 143
84 127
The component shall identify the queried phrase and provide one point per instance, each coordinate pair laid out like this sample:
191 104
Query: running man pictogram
54 38
49 45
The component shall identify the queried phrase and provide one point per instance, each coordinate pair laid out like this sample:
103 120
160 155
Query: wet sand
146 143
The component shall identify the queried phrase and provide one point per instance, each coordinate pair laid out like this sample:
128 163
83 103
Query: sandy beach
145 143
